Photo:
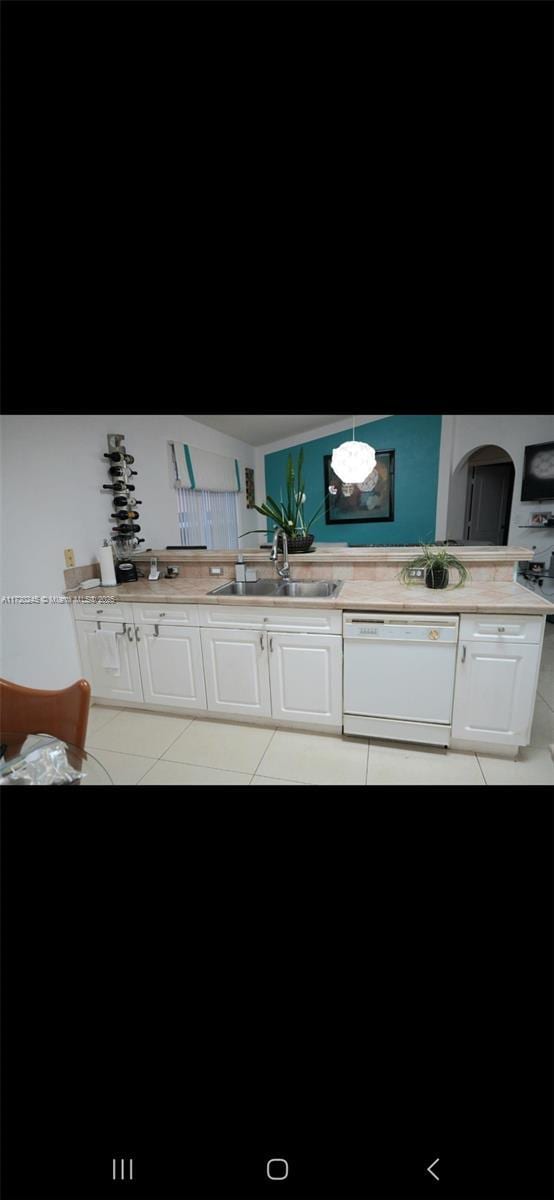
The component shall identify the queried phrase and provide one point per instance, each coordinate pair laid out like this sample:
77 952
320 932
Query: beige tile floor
151 748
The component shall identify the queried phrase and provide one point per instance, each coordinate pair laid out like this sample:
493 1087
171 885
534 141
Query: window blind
208 519
201 470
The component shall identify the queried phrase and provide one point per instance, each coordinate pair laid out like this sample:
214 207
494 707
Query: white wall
51 490
513 433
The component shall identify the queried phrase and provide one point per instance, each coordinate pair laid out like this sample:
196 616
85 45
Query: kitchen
400 634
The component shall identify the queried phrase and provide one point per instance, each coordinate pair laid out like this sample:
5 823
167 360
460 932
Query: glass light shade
353 461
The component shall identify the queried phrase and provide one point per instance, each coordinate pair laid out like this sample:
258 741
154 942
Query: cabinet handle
464 653
98 611
161 614
129 634
271 644
261 641
156 630
137 627
501 628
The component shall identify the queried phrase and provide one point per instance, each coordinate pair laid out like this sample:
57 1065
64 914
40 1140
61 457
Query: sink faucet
284 570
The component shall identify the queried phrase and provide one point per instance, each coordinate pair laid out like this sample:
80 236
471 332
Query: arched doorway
480 497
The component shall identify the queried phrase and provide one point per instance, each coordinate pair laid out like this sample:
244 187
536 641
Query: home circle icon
277 1168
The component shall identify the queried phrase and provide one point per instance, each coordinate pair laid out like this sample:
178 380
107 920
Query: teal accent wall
416 442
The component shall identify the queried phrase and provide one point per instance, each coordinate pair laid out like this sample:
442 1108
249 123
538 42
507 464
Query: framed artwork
538 472
249 486
370 500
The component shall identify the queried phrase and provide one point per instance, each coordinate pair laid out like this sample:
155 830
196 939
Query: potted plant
289 515
436 563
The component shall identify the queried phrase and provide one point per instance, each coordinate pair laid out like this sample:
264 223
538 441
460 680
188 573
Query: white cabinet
291 676
158 664
236 671
494 694
306 677
280 617
266 670
106 683
499 628
170 660
166 614
107 609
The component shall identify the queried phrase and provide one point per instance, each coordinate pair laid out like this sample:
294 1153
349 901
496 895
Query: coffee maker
125 571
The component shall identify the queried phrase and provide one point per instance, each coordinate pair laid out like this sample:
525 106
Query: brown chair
64 713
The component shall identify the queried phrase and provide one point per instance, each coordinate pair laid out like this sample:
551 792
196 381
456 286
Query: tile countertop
497 597
321 553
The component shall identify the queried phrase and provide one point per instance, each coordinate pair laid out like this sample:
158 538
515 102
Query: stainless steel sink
261 587
320 588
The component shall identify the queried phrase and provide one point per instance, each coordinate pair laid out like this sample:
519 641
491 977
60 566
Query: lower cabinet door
171 665
110 683
494 693
306 677
236 671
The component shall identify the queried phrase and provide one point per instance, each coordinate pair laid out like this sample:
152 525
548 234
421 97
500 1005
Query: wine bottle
117 457
119 487
121 471
126 515
127 529
120 501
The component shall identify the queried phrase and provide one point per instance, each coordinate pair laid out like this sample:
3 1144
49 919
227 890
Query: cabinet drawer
501 628
166 614
276 619
103 611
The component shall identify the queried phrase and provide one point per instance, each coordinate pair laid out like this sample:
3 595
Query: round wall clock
542 464
538 472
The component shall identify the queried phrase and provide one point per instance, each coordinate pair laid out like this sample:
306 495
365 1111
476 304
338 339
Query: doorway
490 485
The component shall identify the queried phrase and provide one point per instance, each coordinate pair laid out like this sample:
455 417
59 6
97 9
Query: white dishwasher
399 675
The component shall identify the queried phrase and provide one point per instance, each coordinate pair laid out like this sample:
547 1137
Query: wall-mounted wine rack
120 468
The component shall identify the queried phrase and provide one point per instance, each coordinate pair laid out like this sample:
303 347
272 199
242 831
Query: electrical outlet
69 558
216 570
416 572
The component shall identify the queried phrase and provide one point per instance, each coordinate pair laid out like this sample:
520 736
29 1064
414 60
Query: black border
360 520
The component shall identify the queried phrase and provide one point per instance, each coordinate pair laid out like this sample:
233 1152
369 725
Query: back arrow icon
430 1170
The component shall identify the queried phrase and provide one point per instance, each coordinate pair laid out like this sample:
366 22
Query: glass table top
40 758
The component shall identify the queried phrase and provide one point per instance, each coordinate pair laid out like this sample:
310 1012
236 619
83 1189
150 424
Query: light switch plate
69 558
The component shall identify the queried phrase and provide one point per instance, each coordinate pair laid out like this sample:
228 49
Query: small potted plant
289 515
436 563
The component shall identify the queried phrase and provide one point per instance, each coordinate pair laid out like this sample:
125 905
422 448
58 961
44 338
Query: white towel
109 650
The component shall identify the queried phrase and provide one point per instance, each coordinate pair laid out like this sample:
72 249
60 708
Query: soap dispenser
240 569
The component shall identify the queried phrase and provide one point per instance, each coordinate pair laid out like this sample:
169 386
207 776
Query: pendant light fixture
353 461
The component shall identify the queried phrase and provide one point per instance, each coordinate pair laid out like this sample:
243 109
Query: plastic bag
45 765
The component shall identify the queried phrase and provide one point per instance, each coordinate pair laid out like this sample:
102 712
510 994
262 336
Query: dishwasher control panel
416 627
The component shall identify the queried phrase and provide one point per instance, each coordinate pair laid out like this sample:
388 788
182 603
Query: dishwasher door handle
464 651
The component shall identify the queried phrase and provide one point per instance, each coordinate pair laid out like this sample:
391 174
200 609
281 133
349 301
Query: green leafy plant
289 515
437 559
